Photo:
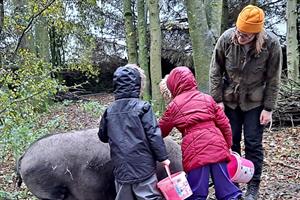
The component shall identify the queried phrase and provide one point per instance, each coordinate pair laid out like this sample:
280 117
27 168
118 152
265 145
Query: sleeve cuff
268 109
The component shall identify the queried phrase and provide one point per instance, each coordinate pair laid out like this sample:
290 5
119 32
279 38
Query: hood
181 80
126 82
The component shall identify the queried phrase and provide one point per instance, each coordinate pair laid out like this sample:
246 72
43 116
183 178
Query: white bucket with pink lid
241 170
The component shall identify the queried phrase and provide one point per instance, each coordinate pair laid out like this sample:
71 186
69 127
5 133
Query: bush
26 89
93 108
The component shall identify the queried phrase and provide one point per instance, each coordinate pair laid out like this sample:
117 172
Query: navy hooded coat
130 127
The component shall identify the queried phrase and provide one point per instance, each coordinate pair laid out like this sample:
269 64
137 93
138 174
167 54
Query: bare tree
214 11
204 29
1 24
155 53
253 2
130 32
42 42
292 42
27 42
1 15
143 50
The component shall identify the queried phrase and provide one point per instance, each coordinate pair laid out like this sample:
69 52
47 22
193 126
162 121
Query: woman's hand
265 117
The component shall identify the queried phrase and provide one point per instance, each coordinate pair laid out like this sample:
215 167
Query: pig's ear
102 134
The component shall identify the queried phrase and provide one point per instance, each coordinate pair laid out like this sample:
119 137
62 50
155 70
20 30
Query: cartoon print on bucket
175 186
241 170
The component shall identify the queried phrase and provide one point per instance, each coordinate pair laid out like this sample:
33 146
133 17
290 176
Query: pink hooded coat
205 129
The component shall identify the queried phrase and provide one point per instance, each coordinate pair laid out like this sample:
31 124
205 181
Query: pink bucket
240 169
175 186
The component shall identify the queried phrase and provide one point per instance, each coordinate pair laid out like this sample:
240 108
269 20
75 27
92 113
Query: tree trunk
298 32
130 32
1 15
253 2
42 41
1 25
143 51
292 42
214 9
155 53
202 41
20 7
225 16
55 47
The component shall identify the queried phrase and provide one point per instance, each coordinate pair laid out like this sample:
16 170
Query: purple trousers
199 182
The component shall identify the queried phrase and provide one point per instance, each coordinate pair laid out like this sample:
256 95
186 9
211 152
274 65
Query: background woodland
56 52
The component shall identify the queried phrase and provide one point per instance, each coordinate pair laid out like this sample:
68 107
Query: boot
252 190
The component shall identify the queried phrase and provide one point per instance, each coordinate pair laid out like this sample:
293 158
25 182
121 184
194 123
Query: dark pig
76 166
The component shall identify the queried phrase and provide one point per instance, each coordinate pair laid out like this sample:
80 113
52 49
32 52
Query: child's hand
166 162
221 105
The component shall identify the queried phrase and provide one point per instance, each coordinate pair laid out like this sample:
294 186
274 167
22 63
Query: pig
77 166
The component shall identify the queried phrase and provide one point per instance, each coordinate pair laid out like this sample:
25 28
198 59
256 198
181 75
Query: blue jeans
248 123
199 182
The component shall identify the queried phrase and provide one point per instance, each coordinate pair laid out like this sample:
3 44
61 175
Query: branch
2 111
270 3
29 26
289 166
77 86
23 99
26 98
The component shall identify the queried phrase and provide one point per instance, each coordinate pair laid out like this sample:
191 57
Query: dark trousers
146 190
248 123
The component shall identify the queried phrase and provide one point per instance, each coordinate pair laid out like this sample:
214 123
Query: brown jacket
245 79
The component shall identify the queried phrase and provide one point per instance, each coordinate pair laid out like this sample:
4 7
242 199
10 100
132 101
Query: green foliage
94 108
84 63
26 132
16 195
26 89
19 136
8 195
158 108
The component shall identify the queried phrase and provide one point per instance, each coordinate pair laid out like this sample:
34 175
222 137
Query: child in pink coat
206 134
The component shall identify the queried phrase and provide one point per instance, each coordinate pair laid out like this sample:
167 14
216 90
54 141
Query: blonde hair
142 75
164 90
259 40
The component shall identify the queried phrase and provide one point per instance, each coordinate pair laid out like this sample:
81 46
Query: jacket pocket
258 69
256 94
256 75
231 61
261 58
230 94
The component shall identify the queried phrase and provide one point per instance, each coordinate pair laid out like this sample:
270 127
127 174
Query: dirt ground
281 170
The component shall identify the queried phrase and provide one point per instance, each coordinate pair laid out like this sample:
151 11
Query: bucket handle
168 171
235 153
167 168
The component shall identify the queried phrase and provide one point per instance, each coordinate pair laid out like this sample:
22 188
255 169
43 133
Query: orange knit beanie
251 19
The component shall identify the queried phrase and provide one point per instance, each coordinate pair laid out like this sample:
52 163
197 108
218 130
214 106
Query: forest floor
281 170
